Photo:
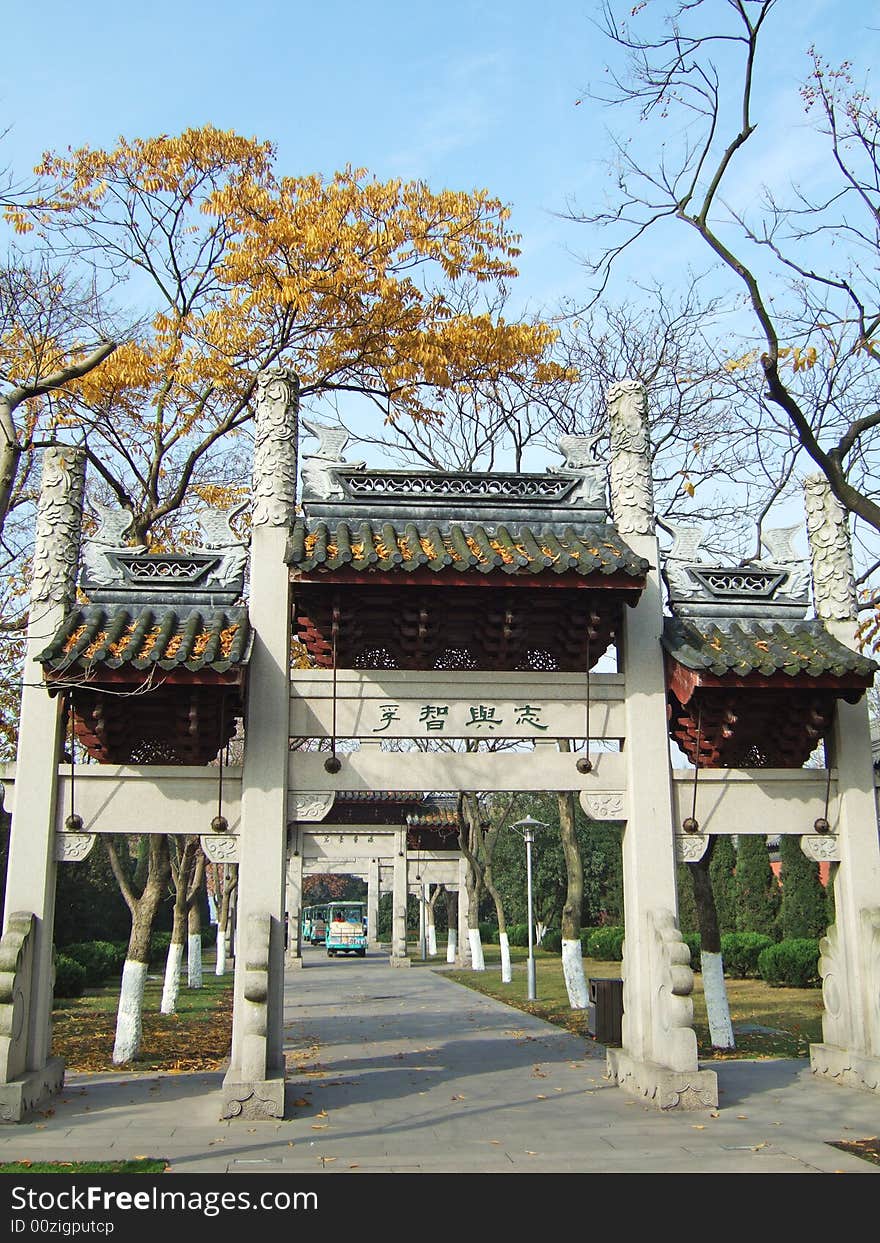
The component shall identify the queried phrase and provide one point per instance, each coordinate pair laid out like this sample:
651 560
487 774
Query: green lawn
768 1022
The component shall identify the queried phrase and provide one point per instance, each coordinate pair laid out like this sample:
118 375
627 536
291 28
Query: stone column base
291 964
21 1097
395 961
854 1070
252 1101
661 1087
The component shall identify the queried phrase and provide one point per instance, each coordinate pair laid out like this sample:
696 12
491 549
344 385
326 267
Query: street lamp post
526 829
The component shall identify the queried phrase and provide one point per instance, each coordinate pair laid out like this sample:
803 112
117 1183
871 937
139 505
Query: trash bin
605 1010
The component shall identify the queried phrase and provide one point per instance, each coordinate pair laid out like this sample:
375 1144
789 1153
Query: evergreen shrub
209 934
740 952
551 941
791 964
99 958
605 944
70 977
159 942
488 933
518 934
692 941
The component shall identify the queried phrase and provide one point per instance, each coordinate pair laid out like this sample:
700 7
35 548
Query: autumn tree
692 84
226 267
348 280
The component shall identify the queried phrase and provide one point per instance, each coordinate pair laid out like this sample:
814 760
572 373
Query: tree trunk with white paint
451 924
194 948
506 965
171 986
711 964
572 954
229 882
431 927
573 974
129 1023
155 867
478 963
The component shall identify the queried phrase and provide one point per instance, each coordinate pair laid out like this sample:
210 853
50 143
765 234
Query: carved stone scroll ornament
779 545
319 481
610 806
220 847
306 806
673 1012
690 847
59 521
835 991
583 463
218 534
253 1095
275 434
73 847
113 524
834 589
16 965
632 499
821 847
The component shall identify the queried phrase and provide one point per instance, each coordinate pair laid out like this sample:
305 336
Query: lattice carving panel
748 728
386 628
178 724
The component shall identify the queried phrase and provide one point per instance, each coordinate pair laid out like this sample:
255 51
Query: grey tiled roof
404 547
114 637
765 647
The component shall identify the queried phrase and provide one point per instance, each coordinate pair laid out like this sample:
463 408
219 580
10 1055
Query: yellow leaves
801 359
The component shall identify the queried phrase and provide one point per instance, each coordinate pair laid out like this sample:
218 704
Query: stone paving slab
409 1072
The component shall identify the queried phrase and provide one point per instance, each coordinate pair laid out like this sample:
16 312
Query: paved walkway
403 1070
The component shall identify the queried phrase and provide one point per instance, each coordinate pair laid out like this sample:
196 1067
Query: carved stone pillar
251 1090
463 944
293 949
850 951
30 882
658 1060
632 495
400 891
373 903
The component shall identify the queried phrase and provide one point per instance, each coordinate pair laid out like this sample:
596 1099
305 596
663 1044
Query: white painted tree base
171 987
194 961
432 941
717 1010
128 1016
573 973
506 966
478 963
451 945
220 966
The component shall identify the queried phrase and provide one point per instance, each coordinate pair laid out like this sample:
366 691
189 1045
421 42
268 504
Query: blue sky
462 94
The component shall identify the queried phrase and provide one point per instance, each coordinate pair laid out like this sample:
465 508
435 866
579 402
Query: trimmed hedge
70 977
692 941
551 941
741 951
518 934
791 964
100 959
489 934
605 944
